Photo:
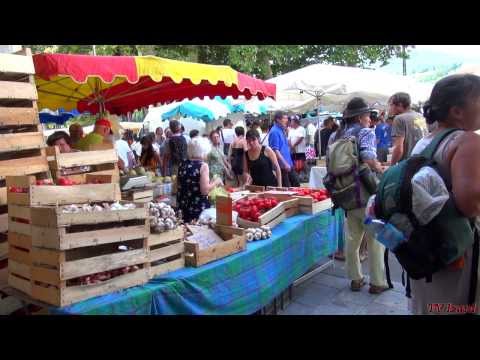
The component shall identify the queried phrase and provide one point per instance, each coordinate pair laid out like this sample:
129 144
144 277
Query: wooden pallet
76 165
166 251
234 241
59 195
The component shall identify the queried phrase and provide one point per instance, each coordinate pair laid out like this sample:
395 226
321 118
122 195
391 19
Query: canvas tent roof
343 81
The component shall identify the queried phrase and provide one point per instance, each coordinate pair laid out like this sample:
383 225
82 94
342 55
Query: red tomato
274 202
322 197
254 209
63 182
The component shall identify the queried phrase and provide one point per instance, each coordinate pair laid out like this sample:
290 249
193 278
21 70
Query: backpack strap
431 149
387 269
472 292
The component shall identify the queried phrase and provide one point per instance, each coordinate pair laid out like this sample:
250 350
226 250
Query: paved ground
328 293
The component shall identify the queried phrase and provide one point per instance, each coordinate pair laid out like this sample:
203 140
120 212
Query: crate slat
167 267
58 239
20 256
20 240
82 158
3 223
10 116
21 141
17 91
20 284
24 166
66 296
167 236
15 267
54 217
166 252
3 249
20 64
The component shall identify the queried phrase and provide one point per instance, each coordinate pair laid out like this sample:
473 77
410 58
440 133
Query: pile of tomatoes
252 209
317 195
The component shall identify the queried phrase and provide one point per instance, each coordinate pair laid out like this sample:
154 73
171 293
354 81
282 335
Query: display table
239 284
317 173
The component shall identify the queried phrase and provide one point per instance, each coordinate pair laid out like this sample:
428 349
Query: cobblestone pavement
328 293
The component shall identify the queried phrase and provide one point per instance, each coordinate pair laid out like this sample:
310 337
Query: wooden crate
255 188
138 195
69 165
287 206
53 270
20 247
53 229
306 203
234 241
166 251
21 136
59 195
3 245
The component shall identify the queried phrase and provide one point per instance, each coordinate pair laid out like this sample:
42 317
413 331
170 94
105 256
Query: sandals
377 289
356 285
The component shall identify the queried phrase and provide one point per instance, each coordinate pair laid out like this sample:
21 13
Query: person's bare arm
247 178
282 160
273 158
398 150
465 170
121 164
205 184
375 165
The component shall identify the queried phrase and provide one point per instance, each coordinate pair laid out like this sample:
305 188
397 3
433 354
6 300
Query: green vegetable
218 191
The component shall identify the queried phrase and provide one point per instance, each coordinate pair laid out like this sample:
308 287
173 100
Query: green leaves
263 61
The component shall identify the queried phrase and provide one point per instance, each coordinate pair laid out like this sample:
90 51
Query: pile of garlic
261 233
74 209
162 217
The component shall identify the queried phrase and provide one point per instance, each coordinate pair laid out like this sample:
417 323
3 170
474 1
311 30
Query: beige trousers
354 235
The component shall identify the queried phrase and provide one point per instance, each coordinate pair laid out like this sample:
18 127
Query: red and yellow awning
120 84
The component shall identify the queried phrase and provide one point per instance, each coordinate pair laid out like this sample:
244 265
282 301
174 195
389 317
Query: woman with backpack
454 104
355 136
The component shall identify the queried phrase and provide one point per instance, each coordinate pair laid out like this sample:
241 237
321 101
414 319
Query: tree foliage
263 61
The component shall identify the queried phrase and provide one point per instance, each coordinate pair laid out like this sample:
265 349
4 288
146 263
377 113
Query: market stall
121 84
239 284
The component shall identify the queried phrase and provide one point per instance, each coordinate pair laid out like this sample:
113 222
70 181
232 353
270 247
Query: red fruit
274 202
254 209
322 197
63 182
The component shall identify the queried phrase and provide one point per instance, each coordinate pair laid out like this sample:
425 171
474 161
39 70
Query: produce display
49 182
254 208
73 208
162 217
317 195
205 238
218 191
102 276
261 233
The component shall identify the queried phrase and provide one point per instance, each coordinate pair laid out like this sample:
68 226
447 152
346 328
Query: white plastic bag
210 215
429 194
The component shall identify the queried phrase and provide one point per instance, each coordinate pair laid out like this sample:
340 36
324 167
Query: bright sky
460 50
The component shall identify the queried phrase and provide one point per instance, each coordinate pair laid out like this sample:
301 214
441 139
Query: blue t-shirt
278 141
383 132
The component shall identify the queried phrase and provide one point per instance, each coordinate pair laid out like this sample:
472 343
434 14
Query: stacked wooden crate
166 251
65 247
22 145
76 165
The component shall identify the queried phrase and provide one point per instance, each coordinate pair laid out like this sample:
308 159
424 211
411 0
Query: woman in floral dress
194 183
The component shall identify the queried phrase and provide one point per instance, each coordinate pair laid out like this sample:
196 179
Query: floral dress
189 198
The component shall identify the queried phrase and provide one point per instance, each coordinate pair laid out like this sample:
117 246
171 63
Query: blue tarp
239 284
60 119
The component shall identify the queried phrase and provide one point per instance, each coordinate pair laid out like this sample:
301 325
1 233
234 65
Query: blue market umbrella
191 110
